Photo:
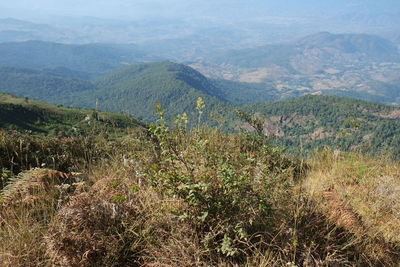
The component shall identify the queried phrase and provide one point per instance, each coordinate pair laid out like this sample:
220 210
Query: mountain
136 89
12 30
319 51
357 65
51 85
141 84
242 93
373 47
90 59
24 114
311 122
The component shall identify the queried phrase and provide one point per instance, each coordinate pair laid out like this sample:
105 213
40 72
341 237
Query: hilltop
136 89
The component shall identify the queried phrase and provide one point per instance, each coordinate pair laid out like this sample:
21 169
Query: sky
180 8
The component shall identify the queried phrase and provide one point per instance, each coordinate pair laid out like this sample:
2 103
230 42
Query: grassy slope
206 199
39 117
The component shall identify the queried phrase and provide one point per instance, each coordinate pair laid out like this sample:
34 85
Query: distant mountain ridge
372 46
90 59
352 65
369 47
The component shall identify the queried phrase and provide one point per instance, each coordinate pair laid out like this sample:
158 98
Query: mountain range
90 59
120 79
352 65
310 121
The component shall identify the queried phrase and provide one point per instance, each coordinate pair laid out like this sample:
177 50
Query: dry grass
26 207
361 195
205 199
90 230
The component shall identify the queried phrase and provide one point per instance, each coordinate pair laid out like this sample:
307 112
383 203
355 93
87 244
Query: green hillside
136 89
47 85
24 114
65 86
308 122
240 93
312 121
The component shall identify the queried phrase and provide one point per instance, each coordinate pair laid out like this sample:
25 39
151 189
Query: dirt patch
395 114
320 134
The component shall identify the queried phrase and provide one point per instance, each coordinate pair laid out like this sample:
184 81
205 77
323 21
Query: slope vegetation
48 85
313 121
136 89
42 118
198 199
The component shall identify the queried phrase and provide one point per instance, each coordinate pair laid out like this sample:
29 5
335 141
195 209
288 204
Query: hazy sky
181 8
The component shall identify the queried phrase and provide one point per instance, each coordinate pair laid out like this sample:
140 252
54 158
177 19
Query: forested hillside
138 88
48 85
90 59
311 122
308 122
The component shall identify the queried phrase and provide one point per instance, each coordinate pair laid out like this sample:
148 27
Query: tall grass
201 198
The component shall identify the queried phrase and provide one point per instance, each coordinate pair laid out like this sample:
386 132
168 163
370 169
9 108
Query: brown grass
342 212
26 207
359 194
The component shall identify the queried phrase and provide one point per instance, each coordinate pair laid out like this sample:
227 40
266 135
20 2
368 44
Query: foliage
185 198
42 118
47 85
20 152
312 122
